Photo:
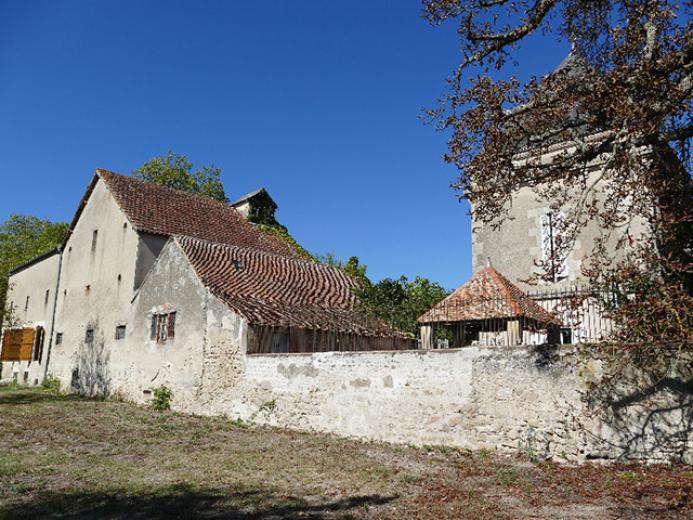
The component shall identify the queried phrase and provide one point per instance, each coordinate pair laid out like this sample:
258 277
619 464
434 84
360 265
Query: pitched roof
275 290
166 211
487 295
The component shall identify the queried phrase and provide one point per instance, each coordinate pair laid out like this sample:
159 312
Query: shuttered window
18 344
163 327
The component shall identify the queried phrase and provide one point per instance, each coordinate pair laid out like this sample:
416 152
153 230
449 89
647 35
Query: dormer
257 207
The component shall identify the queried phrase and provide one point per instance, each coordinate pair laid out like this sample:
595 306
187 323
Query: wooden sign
17 344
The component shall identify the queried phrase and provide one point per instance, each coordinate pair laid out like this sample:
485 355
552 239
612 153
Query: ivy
282 233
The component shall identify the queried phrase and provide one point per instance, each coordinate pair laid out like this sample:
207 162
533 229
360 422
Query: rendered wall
503 399
515 247
138 364
96 287
32 282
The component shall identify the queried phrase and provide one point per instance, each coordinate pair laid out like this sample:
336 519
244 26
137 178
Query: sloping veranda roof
165 211
488 295
275 290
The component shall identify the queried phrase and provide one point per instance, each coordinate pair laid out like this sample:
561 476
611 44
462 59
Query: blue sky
317 101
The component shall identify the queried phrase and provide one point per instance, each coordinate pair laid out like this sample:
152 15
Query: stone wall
504 399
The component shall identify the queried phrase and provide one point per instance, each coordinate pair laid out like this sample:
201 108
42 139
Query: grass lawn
72 458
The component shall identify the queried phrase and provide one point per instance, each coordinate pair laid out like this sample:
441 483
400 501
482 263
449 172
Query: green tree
353 267
400 302
176 171
23 237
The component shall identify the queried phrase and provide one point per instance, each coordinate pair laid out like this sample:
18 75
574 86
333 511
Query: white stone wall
505 399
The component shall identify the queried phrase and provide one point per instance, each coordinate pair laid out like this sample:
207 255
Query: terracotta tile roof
488 295
275 290
165 211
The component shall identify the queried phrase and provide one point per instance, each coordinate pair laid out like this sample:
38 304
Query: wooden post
426 342
513 328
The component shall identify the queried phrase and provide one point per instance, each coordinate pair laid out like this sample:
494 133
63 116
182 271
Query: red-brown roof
166 211
488 295
275 290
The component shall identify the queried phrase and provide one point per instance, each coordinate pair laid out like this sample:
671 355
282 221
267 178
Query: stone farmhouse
156 286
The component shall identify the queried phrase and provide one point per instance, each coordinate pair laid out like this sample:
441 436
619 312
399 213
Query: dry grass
66 457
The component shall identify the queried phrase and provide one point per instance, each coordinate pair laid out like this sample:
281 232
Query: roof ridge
162 210
130 178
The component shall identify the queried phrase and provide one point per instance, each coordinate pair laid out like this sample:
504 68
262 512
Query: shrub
162 398
52 384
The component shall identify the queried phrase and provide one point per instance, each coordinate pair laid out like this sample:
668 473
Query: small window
566 335
45 300
26 304
120 332
163 327
58 338
89 336
94 237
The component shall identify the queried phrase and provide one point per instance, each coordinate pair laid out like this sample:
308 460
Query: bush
162 398
52 384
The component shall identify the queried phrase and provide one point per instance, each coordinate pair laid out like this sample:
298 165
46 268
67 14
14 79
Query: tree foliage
23 237
400 302
616 120
353 267
176 171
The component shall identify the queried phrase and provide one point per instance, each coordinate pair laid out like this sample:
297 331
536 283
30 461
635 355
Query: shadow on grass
18 395
184 501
